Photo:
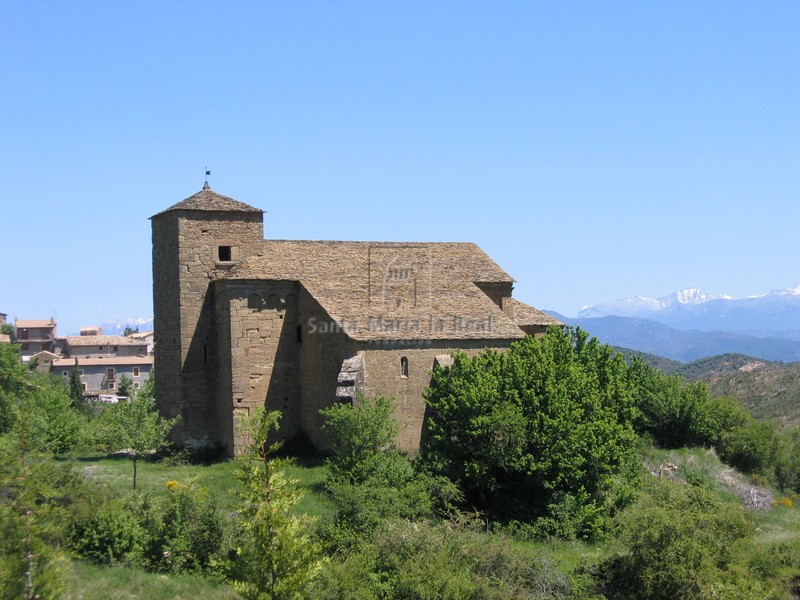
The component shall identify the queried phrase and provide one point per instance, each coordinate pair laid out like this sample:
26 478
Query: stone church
242 322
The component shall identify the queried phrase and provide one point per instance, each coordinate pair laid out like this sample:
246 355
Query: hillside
770 390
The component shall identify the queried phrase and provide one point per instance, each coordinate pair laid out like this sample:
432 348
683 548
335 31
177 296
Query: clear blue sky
595 150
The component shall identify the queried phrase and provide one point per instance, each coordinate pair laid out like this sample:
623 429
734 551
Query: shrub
741 441
678 541
543 431
673 413
360 436
188 532
422 560
111 535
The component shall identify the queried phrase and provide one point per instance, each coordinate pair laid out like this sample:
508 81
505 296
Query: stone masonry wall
166 312
322 350
184 318
264 353
385 377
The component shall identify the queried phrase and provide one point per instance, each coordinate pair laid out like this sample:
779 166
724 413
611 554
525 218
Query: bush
361 437
678 541
180 532
673 413
543 431
187 533
741 441
112 535
421 560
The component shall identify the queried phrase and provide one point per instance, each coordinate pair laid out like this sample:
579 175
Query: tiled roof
101 340
111 361
524 314
208 200
37 323
392 290
141 336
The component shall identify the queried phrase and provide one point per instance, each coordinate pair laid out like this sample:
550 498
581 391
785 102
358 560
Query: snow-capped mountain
776 312
117 326
638 306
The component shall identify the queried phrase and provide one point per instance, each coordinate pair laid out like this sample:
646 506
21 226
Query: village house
34 336
296 326
103 360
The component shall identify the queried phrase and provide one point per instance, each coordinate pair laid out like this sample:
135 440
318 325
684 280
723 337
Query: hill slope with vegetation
554 470
769 390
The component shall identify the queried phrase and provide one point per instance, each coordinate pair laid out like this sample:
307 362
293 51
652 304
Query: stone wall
186 258
323 349
263 368
388 374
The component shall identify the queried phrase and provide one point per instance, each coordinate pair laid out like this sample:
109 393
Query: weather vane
207 174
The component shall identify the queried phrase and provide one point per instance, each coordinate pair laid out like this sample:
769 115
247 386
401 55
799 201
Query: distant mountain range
691 324
117 326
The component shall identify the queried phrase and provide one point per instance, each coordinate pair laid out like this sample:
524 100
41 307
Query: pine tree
76 387
279 557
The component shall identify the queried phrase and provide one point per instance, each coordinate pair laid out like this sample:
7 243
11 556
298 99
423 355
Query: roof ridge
209 200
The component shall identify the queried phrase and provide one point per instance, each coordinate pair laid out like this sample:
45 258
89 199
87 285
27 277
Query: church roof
525 314
391 290
209 200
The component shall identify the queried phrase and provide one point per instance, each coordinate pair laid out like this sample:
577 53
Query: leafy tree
36 499
7 329
742 441
130 330
674 413
361 436
55 426
787 470
137 426
14 384
279 556
542 431
369 479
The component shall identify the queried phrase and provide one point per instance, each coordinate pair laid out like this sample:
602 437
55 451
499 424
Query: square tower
195 242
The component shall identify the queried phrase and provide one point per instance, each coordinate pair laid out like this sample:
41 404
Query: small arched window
404 367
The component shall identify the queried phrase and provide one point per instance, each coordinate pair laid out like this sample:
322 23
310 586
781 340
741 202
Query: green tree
369 479
30 514
361 436
126 387
279 556
76 388
742 441
14 384
130 330
541 432
137 427
673 412
55 426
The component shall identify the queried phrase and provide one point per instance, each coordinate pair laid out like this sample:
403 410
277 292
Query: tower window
224 253
404 367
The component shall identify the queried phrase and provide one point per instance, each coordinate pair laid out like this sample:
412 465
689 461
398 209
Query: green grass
116 473
219 479
85 581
